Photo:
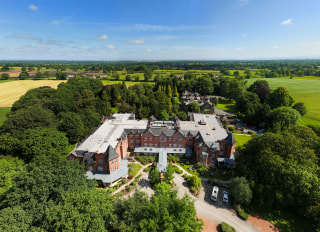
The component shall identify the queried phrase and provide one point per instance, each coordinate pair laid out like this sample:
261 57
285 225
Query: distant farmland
13 90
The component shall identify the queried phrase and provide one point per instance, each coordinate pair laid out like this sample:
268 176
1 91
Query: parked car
214 195
225 196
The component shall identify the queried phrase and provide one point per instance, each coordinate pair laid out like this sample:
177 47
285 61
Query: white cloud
275 47
136 41
287 22
103 37
111 47
243 2
84 48
244 35
33 7
148 50
240 48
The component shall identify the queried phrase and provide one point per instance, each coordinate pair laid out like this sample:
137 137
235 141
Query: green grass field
302 90
242 139
3 114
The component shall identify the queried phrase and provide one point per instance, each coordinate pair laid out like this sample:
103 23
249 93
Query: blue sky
159 30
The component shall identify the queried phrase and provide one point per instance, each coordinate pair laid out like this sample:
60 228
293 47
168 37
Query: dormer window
72 158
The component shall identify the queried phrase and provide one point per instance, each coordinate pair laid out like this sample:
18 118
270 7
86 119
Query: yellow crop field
13 90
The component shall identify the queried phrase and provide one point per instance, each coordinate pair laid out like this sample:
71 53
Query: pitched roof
231 139
112 154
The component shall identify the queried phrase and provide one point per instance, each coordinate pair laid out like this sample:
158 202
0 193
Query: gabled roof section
111 154
231 140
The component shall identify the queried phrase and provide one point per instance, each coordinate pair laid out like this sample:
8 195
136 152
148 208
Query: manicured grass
306 90
227 105
145 159
136 169
186 168
241 139
3 114
13 90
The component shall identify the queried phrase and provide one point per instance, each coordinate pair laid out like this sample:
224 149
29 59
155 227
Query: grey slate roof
231 139
112 154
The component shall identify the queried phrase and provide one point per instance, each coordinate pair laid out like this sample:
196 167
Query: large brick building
104 152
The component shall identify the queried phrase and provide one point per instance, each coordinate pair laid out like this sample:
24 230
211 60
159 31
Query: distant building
204 103
104 152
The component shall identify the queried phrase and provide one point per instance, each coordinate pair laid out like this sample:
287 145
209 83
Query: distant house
204 103
70 76
105 151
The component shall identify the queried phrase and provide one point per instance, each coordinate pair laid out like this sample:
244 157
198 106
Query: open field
302 90
13 90
3 114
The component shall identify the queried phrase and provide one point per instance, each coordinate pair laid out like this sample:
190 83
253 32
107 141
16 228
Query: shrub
147 169
179 171
227 228
250 132
230 128
128 188
242 214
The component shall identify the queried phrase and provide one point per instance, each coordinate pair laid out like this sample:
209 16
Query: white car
225 196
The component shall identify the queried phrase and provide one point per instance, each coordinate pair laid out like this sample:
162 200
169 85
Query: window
189 137
170 145
221 153
165 139
181 139
89 161
161 138
180 145
112 162
72 158
156 145
150 144
156 138
112 169
100 169
170 138
137 141
175 139
150 139
145 144
137 136
213 155
204 149
131 141
212 162
101 161
115 161
175 145
90 168
222 146
116 167
163 145
189 143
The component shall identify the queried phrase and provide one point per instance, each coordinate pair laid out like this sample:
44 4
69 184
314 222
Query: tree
279 97
182 115
300 107
30 118
154 176
61 75
23 75
39 75
136 78
240 190
46 74
5 76
260 87
194 107
285 117
42 142
204 85
116 76
168 176
128 78
72 125
147 75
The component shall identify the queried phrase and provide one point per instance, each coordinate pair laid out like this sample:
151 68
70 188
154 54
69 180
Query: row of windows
163 139
115 161
162 145
100 169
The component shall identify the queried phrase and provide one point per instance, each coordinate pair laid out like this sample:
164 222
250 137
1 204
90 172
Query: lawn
302 90
13 90
3 114
241 139
227 105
